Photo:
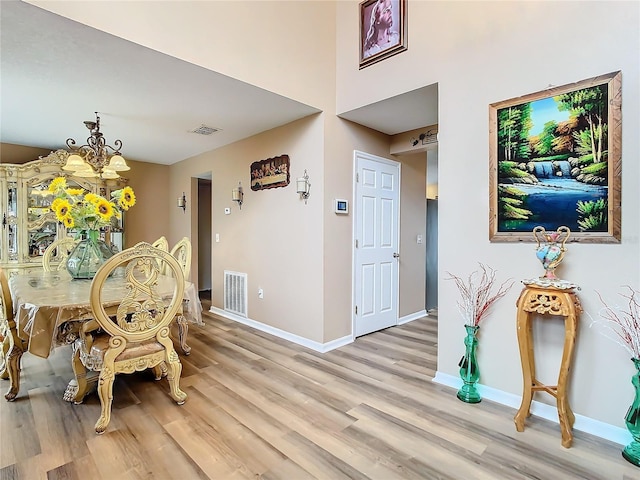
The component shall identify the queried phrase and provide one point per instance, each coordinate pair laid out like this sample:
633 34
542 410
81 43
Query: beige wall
12 153
149 218
275 238
479 54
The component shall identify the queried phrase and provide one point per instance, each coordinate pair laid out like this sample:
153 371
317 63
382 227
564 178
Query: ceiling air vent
204 130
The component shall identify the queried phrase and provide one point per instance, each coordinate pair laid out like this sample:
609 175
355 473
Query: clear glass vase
631 452
88 256
469 371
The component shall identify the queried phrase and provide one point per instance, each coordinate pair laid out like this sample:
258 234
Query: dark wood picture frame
383 30
555 160
270 173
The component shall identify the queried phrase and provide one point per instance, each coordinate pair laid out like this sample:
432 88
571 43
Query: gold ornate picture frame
555 159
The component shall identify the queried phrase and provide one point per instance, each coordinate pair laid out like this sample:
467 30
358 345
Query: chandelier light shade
95 158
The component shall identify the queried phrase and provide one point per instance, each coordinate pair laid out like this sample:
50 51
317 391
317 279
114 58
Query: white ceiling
55 73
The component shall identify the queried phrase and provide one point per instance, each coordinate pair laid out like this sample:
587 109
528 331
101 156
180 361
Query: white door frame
367 156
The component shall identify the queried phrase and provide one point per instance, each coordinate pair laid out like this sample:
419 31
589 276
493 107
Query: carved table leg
85 381
183 329
160 370
74 394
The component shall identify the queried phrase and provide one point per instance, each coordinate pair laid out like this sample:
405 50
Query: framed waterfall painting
555 160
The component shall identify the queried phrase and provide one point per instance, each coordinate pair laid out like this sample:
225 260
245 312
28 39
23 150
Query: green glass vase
631 452
88 256
469 371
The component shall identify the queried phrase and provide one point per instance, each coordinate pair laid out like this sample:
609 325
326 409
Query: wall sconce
182 202
237 195
303 186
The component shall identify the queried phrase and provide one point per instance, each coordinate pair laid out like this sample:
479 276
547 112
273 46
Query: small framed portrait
383 30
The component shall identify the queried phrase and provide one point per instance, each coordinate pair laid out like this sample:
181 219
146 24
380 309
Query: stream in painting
553 201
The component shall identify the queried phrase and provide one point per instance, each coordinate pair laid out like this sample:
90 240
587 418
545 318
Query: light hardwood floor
260 407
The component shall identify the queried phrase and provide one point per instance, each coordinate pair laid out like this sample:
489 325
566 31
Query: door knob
396 255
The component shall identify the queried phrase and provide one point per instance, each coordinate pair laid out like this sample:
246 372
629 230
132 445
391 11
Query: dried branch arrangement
477 295
623 323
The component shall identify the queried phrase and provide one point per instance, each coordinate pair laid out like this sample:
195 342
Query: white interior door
376 219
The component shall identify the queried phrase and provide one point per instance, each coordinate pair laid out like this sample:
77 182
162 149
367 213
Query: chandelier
93 159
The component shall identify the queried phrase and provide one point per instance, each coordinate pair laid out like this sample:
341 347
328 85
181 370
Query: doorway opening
204 229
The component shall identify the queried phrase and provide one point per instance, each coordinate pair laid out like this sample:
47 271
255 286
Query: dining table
50 307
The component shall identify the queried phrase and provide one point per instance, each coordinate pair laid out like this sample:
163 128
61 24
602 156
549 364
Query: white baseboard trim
411 317
542 410
305 342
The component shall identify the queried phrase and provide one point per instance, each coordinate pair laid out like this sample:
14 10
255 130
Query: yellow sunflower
62 209
104 209
92 198
57 184
128 198
68 221
75 191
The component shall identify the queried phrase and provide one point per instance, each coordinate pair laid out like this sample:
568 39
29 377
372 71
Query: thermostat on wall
341 206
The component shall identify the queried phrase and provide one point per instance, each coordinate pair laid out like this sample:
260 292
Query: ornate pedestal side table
553 298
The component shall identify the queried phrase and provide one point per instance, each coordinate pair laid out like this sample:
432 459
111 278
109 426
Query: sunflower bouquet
86 211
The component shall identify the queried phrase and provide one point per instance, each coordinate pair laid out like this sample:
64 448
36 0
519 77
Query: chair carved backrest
139 330
143 312
182 252
58 251
161 243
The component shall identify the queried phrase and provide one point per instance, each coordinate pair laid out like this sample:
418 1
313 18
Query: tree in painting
552 162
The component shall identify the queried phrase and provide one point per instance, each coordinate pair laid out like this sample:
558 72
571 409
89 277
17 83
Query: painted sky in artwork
543 111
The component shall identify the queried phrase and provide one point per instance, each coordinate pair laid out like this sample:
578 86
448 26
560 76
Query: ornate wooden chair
5 334
162 244
181 251
12 345
134 335
58 251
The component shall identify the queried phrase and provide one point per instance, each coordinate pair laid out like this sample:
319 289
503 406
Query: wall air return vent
204 130
235 293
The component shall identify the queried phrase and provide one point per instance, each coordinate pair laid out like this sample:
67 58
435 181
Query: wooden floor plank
261 407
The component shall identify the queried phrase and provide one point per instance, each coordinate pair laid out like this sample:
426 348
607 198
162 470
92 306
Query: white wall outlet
260 293
419 239
227 211
217 238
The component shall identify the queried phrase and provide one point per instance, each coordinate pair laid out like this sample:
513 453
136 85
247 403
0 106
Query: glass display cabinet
29 225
